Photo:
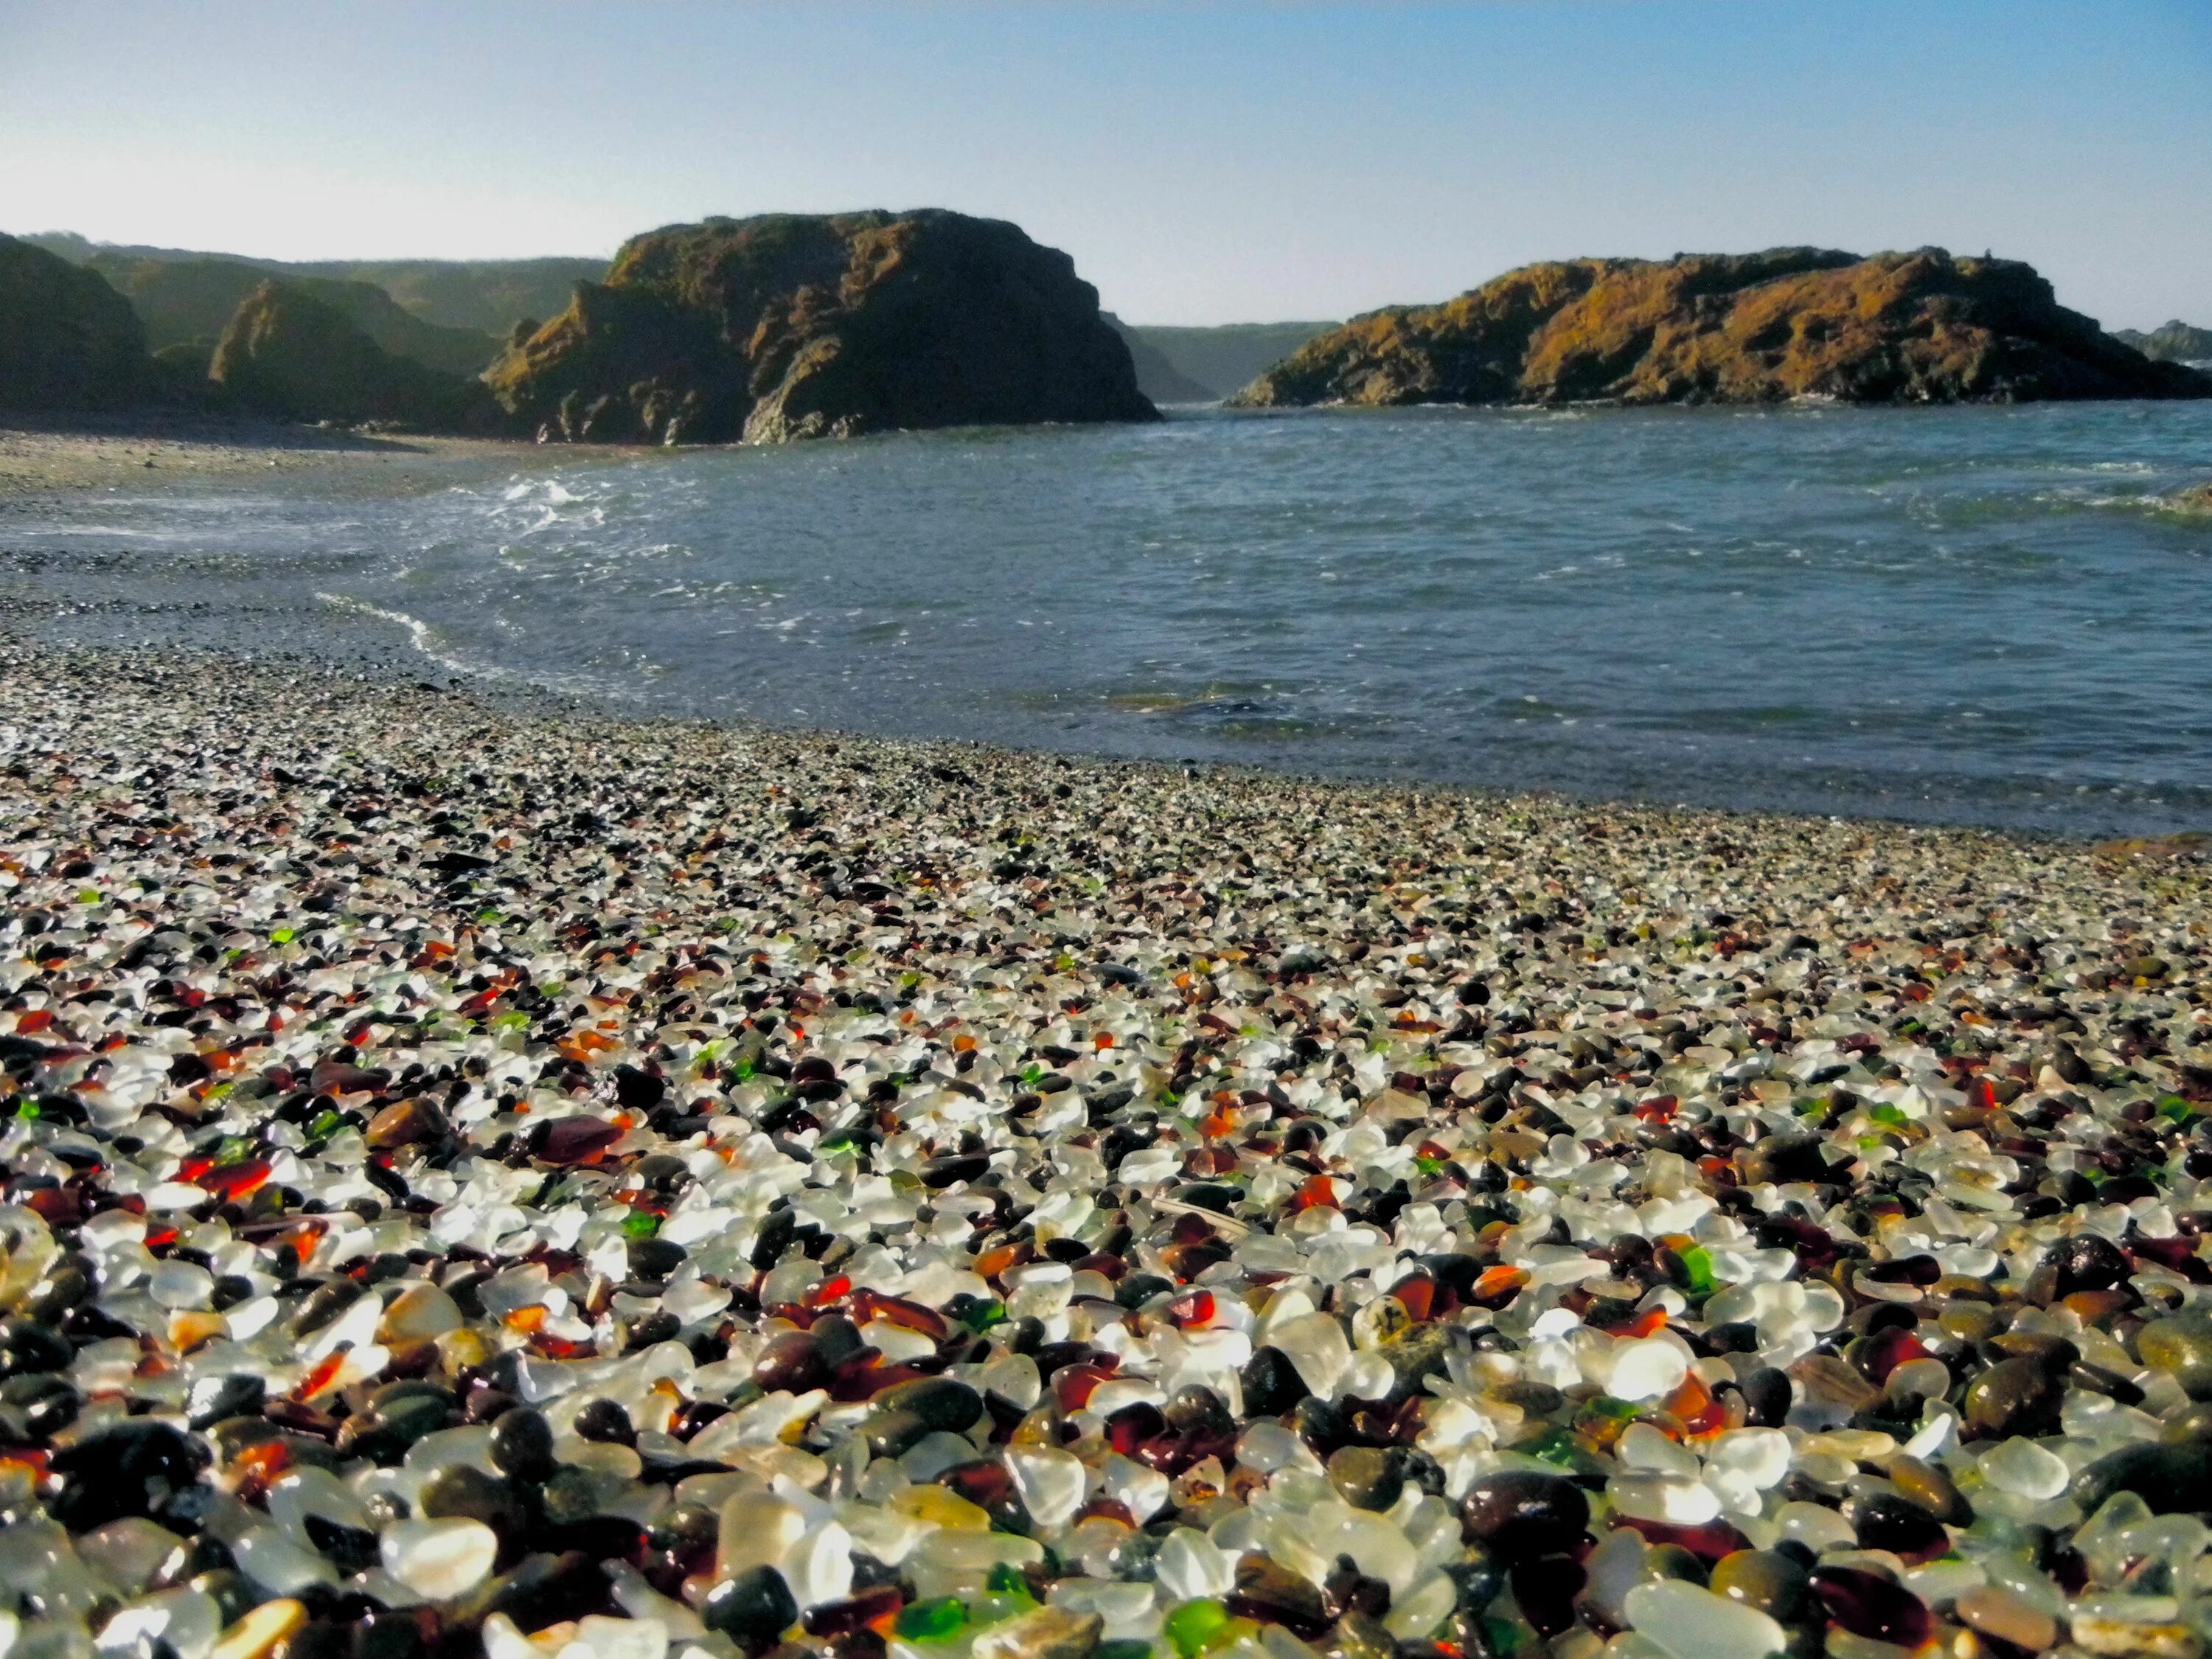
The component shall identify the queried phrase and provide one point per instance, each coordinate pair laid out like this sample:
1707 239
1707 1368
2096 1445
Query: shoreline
63 453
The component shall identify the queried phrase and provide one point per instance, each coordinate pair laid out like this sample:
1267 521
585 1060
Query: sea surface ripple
1970 615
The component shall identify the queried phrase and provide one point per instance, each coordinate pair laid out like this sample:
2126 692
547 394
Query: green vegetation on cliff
1920 327
286 352
800 325
67 339
483 296
1157 378
2176 343
189 300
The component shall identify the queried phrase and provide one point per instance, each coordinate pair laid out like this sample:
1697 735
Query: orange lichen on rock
1919 327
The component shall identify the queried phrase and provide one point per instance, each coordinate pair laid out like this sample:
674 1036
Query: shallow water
1967 615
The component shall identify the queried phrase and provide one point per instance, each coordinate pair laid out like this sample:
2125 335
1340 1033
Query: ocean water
1969 614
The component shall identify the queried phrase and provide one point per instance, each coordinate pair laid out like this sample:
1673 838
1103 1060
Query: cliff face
67 339
285 353
790 326
1918 327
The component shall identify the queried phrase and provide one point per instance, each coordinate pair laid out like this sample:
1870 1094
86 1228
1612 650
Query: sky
1203 162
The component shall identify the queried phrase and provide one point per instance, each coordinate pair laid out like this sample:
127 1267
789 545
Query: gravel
492 1178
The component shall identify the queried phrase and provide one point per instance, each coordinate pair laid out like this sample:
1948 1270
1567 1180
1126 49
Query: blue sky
1203 162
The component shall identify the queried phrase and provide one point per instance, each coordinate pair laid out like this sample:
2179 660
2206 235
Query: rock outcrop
285 353
1895 328
799 326
2176 343
67 339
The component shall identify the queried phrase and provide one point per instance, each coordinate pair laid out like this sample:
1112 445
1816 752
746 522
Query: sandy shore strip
66 453
486 1172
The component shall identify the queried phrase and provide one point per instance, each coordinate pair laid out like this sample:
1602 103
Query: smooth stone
404 1123
2181 1345
754 1609
1691 1623
2009 1618
1366 1477
2086 1261
522 1444
570 1140
1766 1580
1928 1486
2017 1396
756 1530
418 1312
893 1433
439 1559
463 1492
1519 1513
940 1402
1050 1633
1867 1604
1664 1561
2024 1468
118 1470
1610 1572
2125 1638
1884 1521
383 1432
1270 1592
255 1635
2172 1478
1272 1383
212 1399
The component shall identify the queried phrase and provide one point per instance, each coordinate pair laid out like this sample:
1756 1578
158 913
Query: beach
67 453
1038 1204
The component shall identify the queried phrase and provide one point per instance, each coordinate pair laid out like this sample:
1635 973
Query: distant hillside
67 340
187 303
2176 343
488 297
1224 360
1894 328
287 352
1157 378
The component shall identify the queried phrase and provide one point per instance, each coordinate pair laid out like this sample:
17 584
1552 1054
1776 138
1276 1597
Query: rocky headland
1894 328
794 326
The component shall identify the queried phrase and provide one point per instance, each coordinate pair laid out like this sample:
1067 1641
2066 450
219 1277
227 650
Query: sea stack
1895 328
788 326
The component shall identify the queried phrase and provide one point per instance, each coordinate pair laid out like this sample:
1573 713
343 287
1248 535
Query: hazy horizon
1205 165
